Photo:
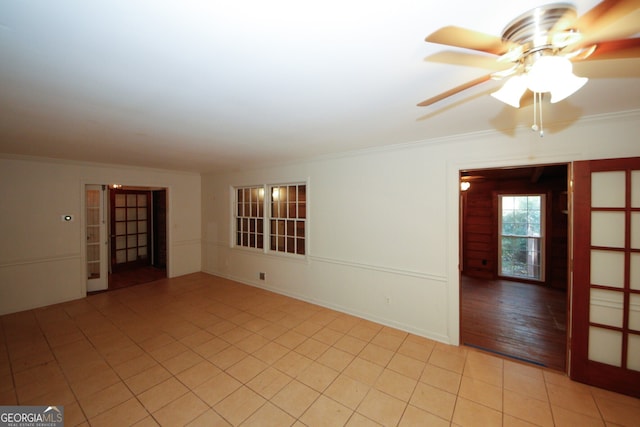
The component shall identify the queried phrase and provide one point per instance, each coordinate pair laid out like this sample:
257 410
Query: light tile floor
204 351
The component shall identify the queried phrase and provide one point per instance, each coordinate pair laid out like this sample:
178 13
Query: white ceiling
204 85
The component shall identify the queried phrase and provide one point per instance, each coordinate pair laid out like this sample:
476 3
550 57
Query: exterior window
288 216
521 236
250 217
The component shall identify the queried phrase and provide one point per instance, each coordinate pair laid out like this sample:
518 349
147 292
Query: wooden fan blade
468 39
467 59
455 90
616 49
598 23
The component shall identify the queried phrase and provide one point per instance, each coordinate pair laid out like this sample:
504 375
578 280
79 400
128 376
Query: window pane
288 204
521 244
300 228
121 228
249 213
285 202
255 194
121 242
292 195
121 214
282 209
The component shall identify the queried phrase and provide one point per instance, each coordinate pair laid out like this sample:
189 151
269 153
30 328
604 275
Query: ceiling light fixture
548 74
542 66
541 44
512 90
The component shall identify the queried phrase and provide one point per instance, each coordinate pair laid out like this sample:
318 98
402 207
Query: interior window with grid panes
250 217
288 218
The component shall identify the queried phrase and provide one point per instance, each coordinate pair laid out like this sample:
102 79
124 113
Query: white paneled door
605 342
97 275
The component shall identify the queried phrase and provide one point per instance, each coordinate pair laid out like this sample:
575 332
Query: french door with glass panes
605 342
96 241
130 228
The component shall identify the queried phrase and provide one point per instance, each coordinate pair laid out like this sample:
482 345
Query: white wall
42 258
383 224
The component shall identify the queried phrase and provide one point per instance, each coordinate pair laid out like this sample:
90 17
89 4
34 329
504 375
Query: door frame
102 282
128 264
83 230
457 169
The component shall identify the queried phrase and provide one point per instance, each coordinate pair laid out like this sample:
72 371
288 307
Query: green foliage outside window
521 232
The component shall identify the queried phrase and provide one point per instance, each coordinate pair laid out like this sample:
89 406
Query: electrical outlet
263 276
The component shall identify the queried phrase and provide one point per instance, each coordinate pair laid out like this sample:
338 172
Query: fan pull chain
537 111
534 126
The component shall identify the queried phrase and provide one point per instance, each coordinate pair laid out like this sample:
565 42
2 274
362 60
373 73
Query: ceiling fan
538 46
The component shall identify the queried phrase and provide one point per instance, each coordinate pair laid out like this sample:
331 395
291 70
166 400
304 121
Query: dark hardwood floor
522 321
135 276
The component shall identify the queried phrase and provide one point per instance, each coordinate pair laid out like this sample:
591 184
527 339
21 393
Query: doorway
137 227
126 235
502 311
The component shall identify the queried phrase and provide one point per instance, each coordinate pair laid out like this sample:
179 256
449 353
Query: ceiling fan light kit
549 74
511 92
540 44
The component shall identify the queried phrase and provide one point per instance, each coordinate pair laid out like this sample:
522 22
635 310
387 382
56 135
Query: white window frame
267 218
239 217
286 232
541 238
